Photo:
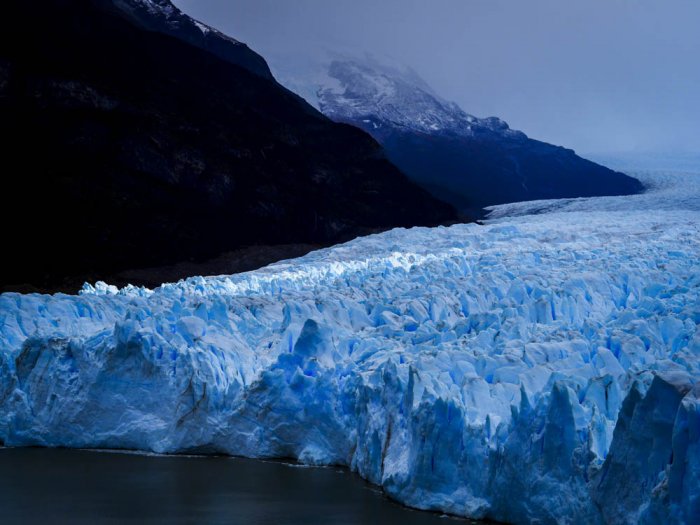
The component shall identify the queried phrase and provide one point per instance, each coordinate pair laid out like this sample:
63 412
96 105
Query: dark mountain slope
133 149
478 171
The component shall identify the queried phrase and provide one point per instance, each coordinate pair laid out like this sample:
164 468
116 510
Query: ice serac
641 447
542 368
676 498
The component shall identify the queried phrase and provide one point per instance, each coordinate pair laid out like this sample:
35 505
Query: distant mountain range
144 138
468 161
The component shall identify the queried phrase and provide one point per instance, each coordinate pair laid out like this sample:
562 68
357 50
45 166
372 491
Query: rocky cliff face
136 148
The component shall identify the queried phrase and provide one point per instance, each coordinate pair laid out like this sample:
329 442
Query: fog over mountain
596 76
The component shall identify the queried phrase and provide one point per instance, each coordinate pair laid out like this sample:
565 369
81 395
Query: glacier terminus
540 368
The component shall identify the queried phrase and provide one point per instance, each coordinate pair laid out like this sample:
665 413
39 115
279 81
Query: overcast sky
594 75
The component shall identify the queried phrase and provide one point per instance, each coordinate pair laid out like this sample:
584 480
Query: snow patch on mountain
539 368
205 29
157 6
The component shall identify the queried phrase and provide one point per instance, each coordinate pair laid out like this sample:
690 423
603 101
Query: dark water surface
46 486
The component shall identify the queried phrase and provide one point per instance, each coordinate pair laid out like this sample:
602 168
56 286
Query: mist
600 76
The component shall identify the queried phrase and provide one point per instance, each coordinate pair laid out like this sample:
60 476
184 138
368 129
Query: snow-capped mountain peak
378 94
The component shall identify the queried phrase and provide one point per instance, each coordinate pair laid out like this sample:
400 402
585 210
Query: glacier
540 368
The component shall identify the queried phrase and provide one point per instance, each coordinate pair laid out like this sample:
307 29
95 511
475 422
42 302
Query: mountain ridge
164 17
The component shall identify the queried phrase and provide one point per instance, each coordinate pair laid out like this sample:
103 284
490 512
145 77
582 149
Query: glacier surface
540 368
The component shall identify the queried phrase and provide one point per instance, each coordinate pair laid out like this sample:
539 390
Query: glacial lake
58 486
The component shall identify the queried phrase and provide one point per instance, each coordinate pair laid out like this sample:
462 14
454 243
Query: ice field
542 367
